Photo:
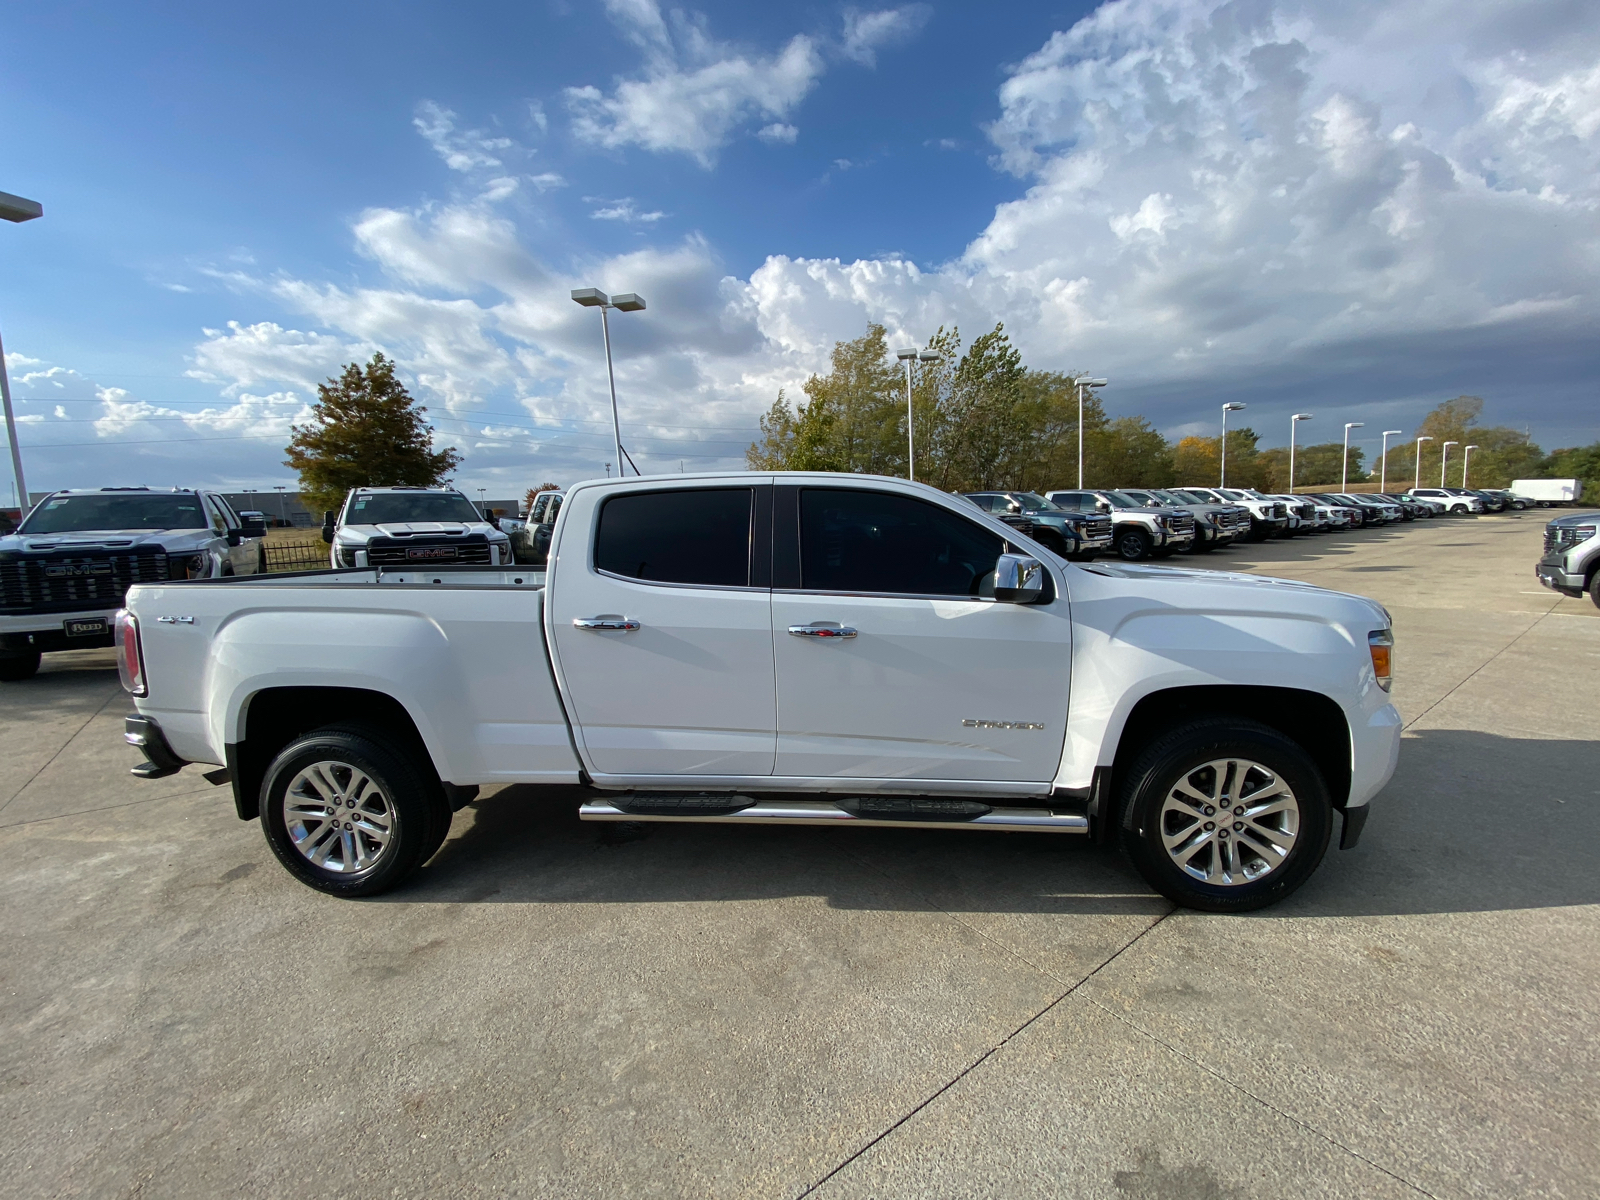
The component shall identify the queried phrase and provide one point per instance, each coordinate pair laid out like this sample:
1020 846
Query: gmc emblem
58 570
430 552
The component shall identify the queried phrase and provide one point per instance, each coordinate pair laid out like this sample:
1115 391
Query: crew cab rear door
892 664
661 628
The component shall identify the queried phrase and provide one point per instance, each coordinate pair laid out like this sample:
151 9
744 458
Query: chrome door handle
626 624
822 631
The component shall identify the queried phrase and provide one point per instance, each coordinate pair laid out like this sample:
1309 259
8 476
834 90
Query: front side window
688 535
859 541
128 510
397 508
1070 501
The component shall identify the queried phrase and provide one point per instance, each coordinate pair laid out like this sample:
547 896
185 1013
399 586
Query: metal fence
296 556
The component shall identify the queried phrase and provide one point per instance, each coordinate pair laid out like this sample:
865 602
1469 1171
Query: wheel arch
274 717
1313 721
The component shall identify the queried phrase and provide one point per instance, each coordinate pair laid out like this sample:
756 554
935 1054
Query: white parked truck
767 649
403 526
1548 491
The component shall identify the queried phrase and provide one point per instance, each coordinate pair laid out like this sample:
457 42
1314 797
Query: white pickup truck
765 648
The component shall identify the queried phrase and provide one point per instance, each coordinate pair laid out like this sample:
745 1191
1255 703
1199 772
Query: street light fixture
909 356
1294 423
1344 467
1466 461
1383 469
1078 384
16 210
1231 406
1444 458
1420 440
627 302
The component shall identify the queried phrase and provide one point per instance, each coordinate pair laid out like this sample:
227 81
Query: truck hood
419 529
1588 518
173 540
1186 579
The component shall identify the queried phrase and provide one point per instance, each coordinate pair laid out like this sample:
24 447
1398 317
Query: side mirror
253 527
1102 506
1018 579
235 537
327 526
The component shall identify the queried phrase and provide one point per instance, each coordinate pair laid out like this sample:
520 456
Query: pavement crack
1532 625
1265 1103
983 1058
116 695
78 812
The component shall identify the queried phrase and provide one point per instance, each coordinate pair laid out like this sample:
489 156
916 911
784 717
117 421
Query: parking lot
555 1008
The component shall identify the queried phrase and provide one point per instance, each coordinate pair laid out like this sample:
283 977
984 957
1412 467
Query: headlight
1380 644
188 566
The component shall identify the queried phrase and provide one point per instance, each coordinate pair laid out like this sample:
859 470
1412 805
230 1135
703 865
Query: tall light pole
908 357
1294 423
1231 406
1444 459
283 512
627 302
1420 440
1466 461
1078 384
16 210
1344 467
1383 470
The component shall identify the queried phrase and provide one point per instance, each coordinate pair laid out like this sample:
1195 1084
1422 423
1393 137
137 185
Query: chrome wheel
1229 821
338 817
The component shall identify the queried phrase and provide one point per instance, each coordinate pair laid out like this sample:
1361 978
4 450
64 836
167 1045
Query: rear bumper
160 761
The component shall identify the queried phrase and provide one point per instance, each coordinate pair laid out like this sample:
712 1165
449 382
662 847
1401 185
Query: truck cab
411 527
65 571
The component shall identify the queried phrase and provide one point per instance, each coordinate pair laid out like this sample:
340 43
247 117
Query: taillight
130 655
1380 643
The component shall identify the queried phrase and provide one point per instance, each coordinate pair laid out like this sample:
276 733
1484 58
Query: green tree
1128 452
1048 411
1315 466
1575 462
796 439
978 442
1197 461
365 431
1501 454
853 419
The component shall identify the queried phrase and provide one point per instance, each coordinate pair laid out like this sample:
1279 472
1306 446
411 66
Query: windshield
1167 497
1148 499
385 508
1194 497
127 510
1121 500
1032 500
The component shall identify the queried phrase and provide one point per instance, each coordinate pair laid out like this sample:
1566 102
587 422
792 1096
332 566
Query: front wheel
17 665
1594 588
350 813
1225 815
1053 541
1132 544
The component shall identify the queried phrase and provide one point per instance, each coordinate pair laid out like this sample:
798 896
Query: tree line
983 421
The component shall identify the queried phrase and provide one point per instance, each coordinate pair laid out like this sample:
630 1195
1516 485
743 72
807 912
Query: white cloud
462 150
865 33
624 210
695 93
778 133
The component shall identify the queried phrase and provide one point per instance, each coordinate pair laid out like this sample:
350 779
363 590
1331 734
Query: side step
902 812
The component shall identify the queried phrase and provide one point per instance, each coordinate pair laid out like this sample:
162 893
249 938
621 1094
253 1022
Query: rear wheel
17 665
1225 815
351 813
1132 544
1594 588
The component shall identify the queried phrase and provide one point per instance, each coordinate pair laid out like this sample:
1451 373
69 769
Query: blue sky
1359 209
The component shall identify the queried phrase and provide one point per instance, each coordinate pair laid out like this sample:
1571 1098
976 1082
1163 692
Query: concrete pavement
557 1009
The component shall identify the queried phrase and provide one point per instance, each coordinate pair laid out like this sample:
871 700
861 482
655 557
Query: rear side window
857 541
688 535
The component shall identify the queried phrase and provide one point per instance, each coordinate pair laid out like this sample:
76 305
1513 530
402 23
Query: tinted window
128 510
1072 501
385 508
684 536
854 541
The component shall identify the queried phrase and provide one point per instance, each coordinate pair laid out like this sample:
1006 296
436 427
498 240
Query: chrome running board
826 812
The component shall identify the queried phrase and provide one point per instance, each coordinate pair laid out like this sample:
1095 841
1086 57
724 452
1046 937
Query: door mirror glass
252 526
327 525
1018 579
1102 506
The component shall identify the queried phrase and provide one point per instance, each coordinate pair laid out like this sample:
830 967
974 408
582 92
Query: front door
894 661
662 631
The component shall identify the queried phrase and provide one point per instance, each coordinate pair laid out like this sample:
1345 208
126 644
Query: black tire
1163 552
1131 544
1202 545
261 558
1183 755
17 665
1594 590
1053 541
417 813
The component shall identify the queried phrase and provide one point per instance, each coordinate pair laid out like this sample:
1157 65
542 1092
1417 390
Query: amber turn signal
1380 643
